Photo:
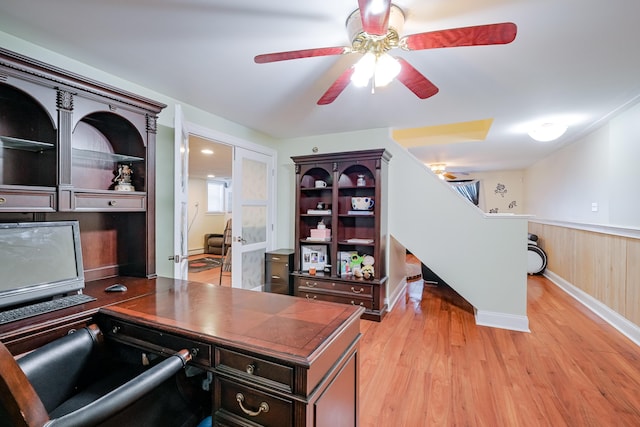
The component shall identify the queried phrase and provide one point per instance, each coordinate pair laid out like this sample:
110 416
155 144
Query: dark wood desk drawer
156 341
109 202
349 287
311 295
254 369
235 404
18 200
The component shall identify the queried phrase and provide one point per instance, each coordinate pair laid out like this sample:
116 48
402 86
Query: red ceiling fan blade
337 87
375 16
415 81
466 36
295 54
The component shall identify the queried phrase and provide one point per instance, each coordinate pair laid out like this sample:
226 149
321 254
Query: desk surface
286 327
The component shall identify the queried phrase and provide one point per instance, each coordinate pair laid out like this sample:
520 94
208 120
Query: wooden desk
275 360
27 334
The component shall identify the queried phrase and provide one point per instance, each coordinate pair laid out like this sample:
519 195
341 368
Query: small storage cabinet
278 266
340 222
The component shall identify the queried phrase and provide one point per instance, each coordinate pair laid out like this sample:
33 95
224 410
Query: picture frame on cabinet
313 256
344 262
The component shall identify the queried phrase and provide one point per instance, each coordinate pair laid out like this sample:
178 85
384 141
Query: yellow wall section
476 130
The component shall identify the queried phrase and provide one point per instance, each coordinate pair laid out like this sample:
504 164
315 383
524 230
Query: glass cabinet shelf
24 144
102 156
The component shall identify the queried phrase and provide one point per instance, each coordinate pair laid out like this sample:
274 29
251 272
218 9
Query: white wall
624 161
564 185
500 191
601 168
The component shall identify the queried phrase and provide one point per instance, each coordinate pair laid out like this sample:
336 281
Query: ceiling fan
374 29
440 169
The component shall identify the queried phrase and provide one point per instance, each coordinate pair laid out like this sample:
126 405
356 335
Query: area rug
203 264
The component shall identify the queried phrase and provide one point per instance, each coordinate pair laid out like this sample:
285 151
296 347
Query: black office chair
69 382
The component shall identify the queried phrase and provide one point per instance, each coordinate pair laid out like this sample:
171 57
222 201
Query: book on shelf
364 213
318 239
356 240
319 211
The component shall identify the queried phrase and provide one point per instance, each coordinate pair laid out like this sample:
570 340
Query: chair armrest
17 396
118 399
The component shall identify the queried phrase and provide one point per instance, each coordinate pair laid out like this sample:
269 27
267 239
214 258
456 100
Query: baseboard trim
619 322
502 320
399 292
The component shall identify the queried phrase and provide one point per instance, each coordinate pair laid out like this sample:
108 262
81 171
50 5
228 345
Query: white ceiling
572 60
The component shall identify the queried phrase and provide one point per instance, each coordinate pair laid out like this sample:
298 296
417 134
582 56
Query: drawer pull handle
113 202
361 303
275 277
311 299
264 406
3 200
356 291
275 258
311 285
250 369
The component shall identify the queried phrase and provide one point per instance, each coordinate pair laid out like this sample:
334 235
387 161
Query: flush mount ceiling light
546 132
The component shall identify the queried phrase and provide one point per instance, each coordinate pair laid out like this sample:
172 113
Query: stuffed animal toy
367 269
355 264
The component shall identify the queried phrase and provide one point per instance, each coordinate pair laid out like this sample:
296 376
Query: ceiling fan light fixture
547 132
387 68
382 68
363 70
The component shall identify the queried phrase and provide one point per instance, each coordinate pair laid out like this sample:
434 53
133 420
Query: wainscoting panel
633 281
604 265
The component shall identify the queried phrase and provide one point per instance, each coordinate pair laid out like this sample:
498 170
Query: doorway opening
210 190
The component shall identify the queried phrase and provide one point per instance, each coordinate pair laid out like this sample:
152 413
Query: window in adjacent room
470 189
218 196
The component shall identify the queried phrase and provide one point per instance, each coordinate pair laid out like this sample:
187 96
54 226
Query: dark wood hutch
346 175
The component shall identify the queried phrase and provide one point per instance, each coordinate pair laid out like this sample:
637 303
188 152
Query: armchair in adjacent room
213 244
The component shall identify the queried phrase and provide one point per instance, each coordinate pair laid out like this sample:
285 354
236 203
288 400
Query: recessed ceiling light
211 176
206 151
546 132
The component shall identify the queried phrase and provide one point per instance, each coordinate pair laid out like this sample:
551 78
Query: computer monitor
39 260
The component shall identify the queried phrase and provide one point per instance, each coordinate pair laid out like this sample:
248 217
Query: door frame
233 141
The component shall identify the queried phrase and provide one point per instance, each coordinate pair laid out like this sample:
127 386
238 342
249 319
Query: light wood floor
428 364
